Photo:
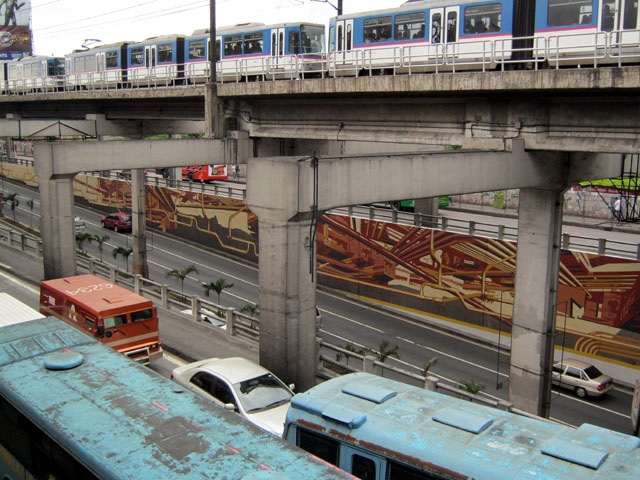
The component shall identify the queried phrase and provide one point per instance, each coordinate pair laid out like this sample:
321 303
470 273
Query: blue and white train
415 37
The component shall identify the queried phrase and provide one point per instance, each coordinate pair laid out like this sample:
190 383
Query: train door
450 34
150 59
361 464
436 22
619 17
343 54
277 48
101 70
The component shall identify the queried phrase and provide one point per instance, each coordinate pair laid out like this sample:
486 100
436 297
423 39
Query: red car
118 222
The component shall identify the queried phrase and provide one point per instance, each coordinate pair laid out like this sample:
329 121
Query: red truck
117 317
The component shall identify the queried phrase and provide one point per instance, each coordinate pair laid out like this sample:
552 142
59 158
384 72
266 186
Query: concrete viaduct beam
287 210
57 163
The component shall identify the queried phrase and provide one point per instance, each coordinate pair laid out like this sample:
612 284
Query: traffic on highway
421 342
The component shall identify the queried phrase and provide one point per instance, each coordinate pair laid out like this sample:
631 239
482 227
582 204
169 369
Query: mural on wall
472 279
452 276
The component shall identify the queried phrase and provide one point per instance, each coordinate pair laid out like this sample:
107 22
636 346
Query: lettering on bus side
90 288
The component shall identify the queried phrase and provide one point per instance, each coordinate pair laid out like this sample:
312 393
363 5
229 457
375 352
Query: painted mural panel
455 277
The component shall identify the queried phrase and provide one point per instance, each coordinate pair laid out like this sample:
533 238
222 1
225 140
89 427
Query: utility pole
212 41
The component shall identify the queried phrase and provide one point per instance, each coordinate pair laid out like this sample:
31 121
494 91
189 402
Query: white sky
61 26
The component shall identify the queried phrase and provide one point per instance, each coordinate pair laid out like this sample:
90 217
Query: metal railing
497 231
553 51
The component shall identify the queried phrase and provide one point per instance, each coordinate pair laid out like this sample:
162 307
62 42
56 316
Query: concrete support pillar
535 303
428 207
138 209
56 217
286 268
214 113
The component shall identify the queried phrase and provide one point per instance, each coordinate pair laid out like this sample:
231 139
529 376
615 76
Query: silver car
581 377
242 386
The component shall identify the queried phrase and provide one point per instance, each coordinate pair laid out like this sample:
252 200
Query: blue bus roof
122 420
425 428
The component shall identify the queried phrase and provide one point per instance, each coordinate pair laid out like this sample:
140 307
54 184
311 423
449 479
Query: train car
117 317
378 428
14 311
72 408
450 35
35 74
280 51
587 32
197 55
156 61
103 66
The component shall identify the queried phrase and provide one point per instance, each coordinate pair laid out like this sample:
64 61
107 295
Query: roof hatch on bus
458 418
367 392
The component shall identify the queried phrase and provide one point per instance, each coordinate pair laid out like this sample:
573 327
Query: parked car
242 386
80 225
118 222
581 377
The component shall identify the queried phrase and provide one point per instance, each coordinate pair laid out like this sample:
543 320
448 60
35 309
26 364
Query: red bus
117 317
204 173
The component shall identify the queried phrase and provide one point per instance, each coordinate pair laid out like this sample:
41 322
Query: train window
322 447
137 56
142 315
217 51
483 18
232 45
565 12
196 49
312 38
294 42
630 20
111 59
377 29
452 27
165 53
436 28
90 63
332 38
410 25
253 43
78 64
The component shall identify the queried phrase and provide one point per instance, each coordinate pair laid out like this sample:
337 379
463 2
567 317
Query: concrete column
286 268
214 113
535 302
428 207
138 209
56 217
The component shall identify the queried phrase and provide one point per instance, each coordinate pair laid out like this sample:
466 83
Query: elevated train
416 37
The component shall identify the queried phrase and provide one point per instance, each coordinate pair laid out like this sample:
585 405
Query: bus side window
363 467
318 445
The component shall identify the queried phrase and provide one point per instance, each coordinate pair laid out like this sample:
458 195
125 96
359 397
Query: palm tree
218 286
81 237
181 274
101 240
387 351
251 309
125 252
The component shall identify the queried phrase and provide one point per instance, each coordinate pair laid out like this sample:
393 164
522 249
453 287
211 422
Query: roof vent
470 422
65 360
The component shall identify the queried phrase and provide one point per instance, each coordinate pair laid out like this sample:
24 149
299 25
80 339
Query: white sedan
240 385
